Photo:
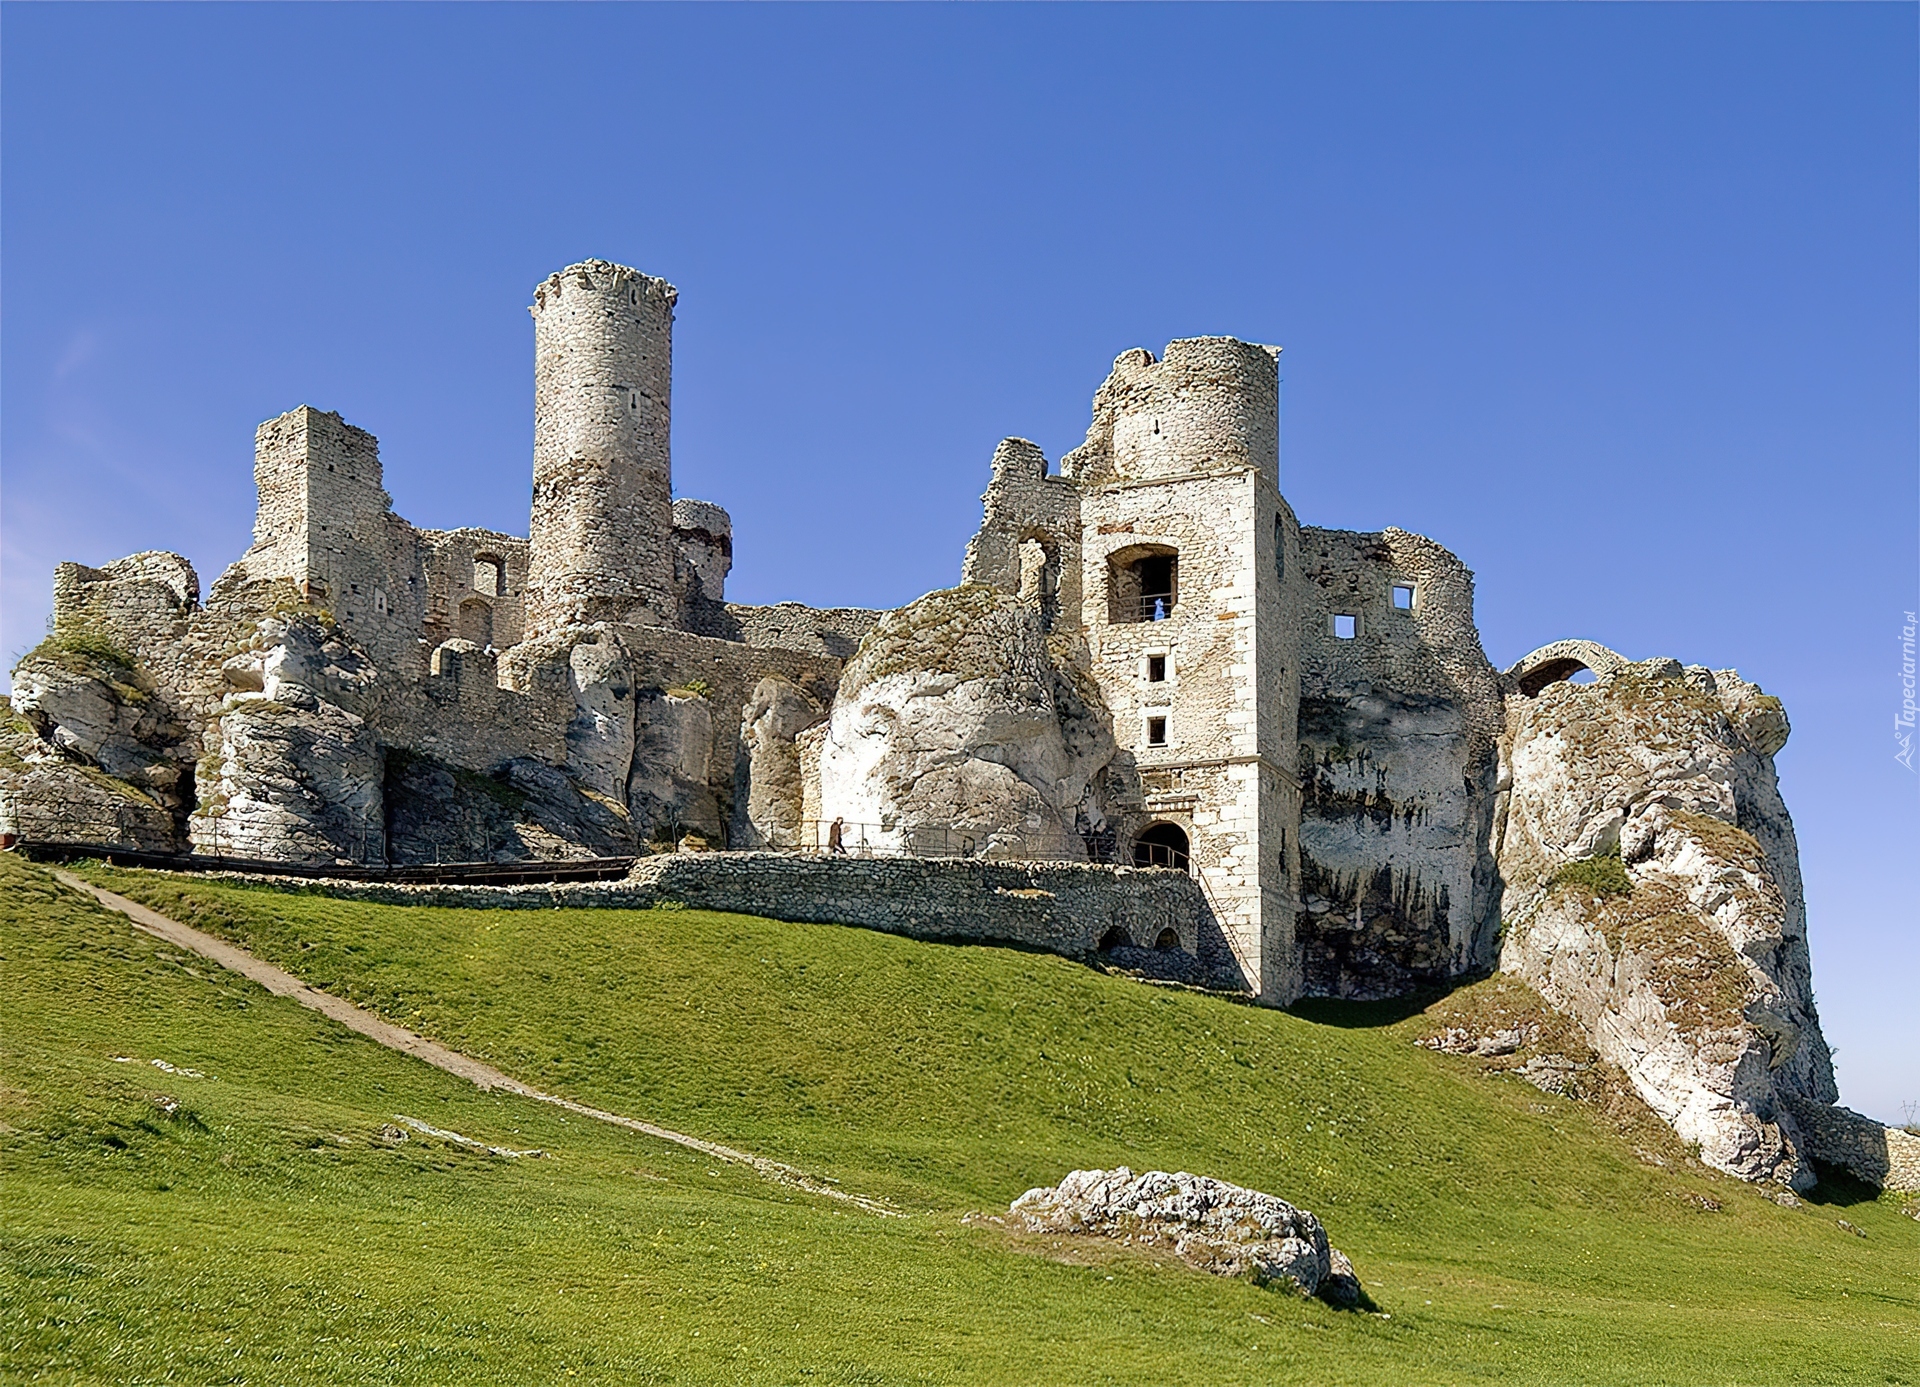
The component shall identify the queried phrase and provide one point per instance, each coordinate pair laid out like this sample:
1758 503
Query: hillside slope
262 1231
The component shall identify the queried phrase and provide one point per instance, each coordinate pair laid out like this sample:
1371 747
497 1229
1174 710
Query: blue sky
1617 302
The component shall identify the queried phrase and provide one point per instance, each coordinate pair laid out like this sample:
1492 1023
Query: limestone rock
1653 893
668 792
600 736
303 651
96 705
522 811
1222 1228
290 778
958 714
769 794
48 796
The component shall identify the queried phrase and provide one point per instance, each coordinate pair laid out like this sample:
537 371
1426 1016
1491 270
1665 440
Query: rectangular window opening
1156 669
1156 731
1403 596
1345 628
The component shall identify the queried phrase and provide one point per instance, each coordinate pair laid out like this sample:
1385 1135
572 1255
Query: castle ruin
1150 667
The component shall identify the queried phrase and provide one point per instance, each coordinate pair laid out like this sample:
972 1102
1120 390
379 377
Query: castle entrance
1162 845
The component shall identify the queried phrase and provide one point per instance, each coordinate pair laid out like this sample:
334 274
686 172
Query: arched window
489 575
1040 577
1162 845
1115 938
1143 583
1168 941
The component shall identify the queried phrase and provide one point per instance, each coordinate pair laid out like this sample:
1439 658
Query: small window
1345 628
1279 548
1403 596
1156 731
488 576
1156 669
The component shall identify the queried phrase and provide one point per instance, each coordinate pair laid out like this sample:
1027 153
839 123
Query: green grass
1602 876
83 648
262 1234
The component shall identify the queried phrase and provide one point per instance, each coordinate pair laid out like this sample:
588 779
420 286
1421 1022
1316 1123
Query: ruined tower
602 524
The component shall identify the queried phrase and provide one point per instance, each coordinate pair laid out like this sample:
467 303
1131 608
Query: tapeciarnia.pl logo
1903 720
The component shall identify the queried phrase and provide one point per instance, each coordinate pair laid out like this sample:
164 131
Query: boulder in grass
1210 1224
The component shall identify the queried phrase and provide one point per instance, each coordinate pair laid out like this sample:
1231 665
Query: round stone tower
602 525
1211 404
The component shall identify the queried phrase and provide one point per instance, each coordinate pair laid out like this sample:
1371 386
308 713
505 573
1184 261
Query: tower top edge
602 276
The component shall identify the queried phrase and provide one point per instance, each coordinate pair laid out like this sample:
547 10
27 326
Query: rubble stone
1222 1228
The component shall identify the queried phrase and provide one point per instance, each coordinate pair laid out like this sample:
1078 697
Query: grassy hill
252 1225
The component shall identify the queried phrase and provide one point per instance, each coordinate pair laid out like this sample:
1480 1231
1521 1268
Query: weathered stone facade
1149 662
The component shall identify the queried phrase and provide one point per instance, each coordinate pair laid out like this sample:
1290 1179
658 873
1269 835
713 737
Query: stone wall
1069 909
1399 726
1029 538
476 586
833 633
1885 1157
326 526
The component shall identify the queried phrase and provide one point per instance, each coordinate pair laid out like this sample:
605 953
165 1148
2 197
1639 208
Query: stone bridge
1562 660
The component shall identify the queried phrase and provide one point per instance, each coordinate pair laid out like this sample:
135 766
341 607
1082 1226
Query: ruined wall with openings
1399 721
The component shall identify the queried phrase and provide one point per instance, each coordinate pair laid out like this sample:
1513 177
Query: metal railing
1161 855
1154 606
844 838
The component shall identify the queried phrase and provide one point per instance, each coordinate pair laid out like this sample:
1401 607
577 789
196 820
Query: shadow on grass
1348 1015
1331 1011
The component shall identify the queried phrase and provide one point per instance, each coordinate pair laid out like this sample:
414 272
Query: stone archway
1162 845
1562 660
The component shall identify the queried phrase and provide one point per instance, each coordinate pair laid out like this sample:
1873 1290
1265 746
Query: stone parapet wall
835 632
1063 908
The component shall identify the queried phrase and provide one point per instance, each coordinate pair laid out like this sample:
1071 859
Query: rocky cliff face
769 792
93 750
292 772
960 716
1653 893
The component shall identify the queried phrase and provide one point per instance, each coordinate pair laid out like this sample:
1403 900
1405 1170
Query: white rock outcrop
291 778
1653 894
769 790
960 716
1225 1229
289 773
668 791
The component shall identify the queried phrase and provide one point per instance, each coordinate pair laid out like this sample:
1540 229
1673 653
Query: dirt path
485 1076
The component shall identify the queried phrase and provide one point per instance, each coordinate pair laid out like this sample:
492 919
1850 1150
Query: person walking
836 837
